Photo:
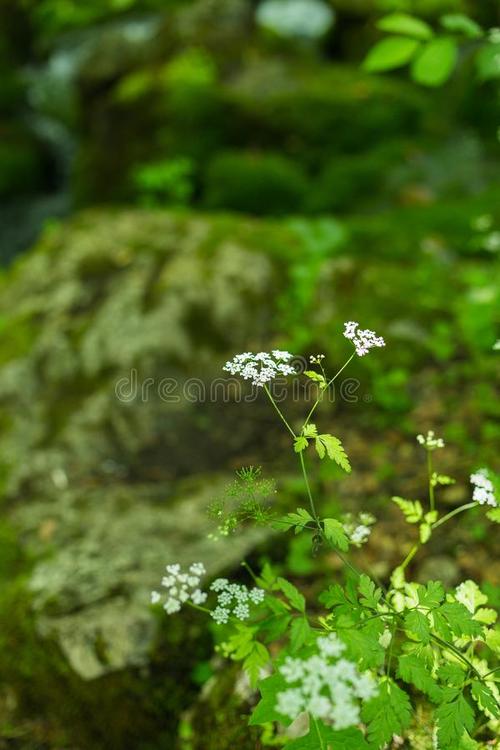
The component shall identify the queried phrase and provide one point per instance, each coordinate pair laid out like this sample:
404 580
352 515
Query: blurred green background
181 181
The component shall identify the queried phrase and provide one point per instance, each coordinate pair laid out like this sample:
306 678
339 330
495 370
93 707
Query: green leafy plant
433 54
364 659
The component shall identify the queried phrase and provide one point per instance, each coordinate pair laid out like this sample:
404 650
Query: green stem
447 517
320 397
430 471
308 488
320 738
409 557
280 414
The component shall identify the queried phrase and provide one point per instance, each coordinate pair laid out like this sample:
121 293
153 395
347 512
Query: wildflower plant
364 659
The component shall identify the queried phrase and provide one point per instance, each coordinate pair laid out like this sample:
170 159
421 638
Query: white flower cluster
430 442
484 492
358 528
181 587
363 339
261 368
326 686
234 599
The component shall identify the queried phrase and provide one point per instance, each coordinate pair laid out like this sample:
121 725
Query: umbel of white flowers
261 368
430 442
363 339
326 686
484 491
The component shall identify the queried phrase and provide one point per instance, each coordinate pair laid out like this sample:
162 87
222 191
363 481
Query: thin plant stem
320 397
321 746
308 488
430 471
278 410
455 512
409 557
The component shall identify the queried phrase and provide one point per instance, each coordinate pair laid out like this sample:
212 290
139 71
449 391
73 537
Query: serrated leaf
469 594
413 670
300 632
435 62
453 719
417 624
310 430
335 534
402 23
387 714
273 627
257 659
317 378
412 509
390 53
451 674
370 594
494 515
292 594
486 615
322 737
297 520
458 23
431 595
335 451
485 699
265 710
363 646
300 444
460 620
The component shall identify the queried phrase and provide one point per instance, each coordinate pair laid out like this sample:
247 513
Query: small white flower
290 703
173 569
363 339
331 645
197 569
198 596
292 669
430 442
168 581
220 615
193 581
242 612
484 491
257 595
171 606
155 597
219 584
360 534
183 595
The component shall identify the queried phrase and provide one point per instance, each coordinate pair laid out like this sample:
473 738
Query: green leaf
417 624
335 451
335 534
321 736
402 23
412 509
413 669
317 378
453 719
425 532
257 659
458 23
310 430
431 595
452 674
297 520
435 62
487 702
292 594
390 53
300 444
460 620
265 710
470 595
363 646
300 632
488 63
370 594
494 513
387 714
